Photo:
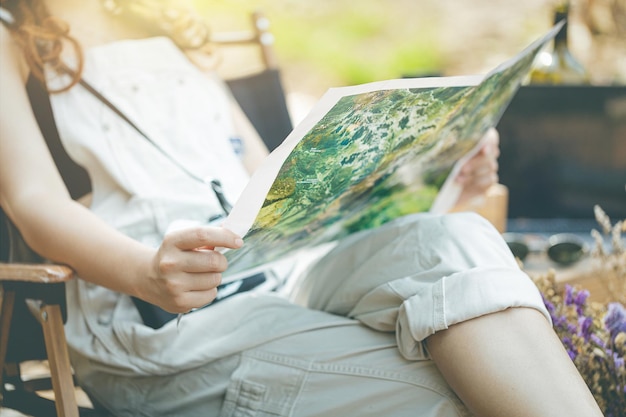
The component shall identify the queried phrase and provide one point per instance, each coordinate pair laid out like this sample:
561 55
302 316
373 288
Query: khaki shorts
349 342
341 371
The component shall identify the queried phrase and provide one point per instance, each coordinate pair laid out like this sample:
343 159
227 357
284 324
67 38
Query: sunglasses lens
565 253
520 250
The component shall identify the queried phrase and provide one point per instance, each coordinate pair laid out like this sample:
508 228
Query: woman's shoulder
143 53
154 42
10 56
5 37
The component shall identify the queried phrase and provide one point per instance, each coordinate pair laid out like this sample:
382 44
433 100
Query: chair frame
260 35
50 316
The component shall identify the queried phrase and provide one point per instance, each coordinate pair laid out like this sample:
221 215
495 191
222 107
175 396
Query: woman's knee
393 262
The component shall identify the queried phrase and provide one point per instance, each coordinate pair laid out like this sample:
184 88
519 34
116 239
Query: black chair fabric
262 98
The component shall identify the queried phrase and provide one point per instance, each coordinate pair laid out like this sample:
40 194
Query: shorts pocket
264 386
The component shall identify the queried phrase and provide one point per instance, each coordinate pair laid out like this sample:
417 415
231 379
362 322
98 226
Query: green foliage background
341 42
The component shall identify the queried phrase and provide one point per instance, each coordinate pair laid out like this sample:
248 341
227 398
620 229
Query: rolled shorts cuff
460 297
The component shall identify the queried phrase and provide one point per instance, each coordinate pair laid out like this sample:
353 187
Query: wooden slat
35 273
259 36
59 361
7 301
234 38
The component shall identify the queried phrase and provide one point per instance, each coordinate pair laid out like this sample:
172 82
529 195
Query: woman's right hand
186 269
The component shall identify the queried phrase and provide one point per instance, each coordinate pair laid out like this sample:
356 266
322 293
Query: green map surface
374 157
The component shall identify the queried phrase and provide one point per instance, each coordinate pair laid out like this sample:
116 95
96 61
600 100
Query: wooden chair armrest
42 273
494 207
260 35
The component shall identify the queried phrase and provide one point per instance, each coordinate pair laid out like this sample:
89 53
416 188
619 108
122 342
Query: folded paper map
368 154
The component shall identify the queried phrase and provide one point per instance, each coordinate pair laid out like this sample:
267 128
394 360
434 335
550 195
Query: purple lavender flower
559 322
570 347
571 328
549 306
569 295
580 300
597 341
615 319
584 329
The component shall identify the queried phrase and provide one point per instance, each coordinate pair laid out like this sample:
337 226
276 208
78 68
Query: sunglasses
563 249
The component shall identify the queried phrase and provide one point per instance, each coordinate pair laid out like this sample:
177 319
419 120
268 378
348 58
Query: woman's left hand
481 171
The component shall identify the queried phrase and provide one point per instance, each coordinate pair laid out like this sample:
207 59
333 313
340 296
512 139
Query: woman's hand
187 269
481 171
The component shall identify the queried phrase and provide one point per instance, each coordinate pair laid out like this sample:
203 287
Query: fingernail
238 242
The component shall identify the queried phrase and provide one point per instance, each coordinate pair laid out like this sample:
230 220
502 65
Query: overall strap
75 176
87 86
215 184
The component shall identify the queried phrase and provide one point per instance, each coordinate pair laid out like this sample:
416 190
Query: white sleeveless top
181 109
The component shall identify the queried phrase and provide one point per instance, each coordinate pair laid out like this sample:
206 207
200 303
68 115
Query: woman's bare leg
511 364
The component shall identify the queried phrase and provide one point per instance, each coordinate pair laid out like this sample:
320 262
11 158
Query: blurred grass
339 42
327 43
359 45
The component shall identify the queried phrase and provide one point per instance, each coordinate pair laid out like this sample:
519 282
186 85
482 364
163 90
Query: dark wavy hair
42 36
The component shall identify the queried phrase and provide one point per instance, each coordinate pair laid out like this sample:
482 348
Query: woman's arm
176 276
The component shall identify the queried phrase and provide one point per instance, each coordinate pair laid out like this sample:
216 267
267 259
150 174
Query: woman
403 320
